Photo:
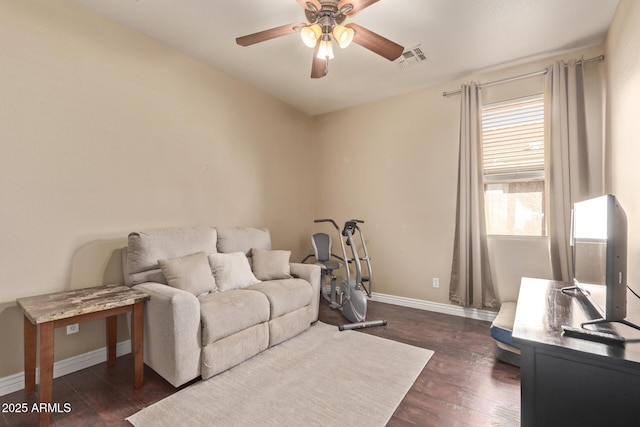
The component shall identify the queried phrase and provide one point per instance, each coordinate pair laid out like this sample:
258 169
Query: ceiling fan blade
375 42
357 5
269 34
318 66
315 3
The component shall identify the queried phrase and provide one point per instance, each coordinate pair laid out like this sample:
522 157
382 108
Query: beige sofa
218 297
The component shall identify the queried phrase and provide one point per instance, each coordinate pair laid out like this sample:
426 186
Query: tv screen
599 238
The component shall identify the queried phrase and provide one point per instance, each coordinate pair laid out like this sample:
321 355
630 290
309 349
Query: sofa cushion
502 326
190 273
231 271
242 239
285 295
271 265
225 313
145 248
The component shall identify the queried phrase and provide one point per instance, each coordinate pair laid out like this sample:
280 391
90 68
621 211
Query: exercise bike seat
321 243
322 251
330 266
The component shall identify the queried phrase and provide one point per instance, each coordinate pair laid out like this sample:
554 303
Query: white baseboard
15 382
455 310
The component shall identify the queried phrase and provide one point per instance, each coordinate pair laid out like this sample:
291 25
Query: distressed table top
61 305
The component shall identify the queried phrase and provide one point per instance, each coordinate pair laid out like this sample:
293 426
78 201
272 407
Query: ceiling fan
325 18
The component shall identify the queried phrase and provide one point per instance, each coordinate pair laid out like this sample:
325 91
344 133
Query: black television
599 240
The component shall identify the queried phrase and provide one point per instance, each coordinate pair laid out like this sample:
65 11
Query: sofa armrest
171 332
310 273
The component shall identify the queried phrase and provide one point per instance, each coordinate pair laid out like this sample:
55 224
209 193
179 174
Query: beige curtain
568 177
471 283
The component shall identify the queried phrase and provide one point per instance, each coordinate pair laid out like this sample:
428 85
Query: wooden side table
65 308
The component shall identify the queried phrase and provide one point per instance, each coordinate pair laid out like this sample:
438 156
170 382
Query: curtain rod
523 76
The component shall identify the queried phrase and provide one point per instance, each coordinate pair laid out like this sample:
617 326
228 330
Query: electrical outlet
73 329
436 282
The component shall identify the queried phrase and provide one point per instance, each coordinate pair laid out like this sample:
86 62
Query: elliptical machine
351 298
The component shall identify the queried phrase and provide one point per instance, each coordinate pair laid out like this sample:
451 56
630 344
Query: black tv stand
568 380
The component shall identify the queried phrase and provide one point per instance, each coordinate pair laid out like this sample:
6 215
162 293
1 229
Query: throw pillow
271 265
232 271
190 273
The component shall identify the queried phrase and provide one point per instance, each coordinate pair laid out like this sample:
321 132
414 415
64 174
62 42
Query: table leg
137 343
46 370
30 349
112 335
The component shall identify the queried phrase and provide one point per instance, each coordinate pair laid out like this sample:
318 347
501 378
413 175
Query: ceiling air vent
411 57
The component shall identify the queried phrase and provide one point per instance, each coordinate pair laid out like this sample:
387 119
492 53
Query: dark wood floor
462 385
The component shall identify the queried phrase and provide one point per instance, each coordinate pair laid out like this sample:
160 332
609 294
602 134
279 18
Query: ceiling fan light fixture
323 26
343 35
326 50
310 35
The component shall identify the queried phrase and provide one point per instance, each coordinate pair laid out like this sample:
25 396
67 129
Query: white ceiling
459 37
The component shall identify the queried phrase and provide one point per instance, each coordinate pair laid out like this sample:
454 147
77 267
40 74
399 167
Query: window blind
513 139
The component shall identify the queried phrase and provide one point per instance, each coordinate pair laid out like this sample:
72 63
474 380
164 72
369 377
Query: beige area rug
322 377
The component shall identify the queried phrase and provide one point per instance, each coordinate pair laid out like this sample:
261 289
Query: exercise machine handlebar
328 220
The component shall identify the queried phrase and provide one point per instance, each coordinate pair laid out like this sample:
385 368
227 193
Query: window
513 166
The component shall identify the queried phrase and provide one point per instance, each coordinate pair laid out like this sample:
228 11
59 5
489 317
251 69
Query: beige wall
104 131
393 163
622 48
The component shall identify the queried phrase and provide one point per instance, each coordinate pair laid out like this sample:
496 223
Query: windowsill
515 238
